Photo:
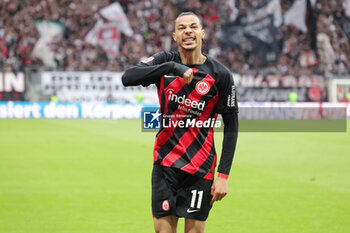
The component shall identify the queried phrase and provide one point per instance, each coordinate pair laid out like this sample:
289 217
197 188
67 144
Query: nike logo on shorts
189 210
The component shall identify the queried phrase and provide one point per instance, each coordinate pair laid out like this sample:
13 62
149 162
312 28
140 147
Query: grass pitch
93 176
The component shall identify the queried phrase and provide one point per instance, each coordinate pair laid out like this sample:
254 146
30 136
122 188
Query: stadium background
64 59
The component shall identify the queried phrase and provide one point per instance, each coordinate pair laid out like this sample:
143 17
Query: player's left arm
219 187
229 110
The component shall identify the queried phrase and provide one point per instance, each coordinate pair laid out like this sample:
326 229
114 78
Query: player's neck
192 57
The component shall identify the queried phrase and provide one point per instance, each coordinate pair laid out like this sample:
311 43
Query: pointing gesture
188 76
218 189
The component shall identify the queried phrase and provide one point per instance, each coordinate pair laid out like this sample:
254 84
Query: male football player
193 89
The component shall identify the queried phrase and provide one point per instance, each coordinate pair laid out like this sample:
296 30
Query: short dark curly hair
190 13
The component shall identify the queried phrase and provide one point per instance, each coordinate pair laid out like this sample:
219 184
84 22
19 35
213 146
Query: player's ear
174 36
203 34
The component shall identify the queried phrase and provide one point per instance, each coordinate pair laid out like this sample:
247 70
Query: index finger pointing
213 199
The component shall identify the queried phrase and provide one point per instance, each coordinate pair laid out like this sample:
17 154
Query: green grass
94 176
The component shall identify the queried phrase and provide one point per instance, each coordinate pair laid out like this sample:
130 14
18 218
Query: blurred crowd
152 22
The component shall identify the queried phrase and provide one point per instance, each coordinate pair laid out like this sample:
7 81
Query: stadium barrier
99 110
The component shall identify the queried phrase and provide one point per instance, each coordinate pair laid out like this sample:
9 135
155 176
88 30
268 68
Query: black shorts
178 193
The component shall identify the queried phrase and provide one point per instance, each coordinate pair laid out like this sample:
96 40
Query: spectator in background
152 23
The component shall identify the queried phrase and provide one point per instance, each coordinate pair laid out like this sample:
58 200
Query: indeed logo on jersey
186 101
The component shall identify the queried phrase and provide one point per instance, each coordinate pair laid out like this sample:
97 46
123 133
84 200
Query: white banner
94 86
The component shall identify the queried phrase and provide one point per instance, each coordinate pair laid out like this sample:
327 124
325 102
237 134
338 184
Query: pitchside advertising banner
254 117
86 110
259 117
93 110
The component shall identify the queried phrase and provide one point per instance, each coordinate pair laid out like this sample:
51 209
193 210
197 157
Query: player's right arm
152 69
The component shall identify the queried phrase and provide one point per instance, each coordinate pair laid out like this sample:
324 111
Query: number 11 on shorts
194 199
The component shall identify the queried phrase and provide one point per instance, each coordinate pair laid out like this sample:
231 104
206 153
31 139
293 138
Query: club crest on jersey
165 205
148 60
202 87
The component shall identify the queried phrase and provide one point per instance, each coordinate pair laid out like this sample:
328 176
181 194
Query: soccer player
193 89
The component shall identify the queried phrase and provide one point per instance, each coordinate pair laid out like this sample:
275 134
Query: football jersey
189 112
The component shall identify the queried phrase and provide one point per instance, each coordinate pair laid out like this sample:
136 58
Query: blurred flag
255 31
106 31
311 24
116 15
106 35
295 15
344 22
346 5
50 33
301 14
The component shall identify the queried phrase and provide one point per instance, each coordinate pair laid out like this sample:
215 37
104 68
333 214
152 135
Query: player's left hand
218 189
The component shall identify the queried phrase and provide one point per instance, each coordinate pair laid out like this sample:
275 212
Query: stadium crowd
152 24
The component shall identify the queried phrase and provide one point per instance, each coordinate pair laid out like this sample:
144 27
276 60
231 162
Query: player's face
188 33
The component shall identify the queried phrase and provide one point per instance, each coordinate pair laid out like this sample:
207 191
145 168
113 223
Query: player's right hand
188 76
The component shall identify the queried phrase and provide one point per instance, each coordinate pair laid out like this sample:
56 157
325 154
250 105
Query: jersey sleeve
151 69
228 144
155 59
227 94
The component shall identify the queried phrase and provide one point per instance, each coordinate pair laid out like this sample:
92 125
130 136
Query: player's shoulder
161 57
219 69
167 55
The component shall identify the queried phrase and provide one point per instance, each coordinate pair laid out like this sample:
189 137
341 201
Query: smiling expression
188 33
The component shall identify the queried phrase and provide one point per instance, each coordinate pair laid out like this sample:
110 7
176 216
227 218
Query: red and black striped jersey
189 111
